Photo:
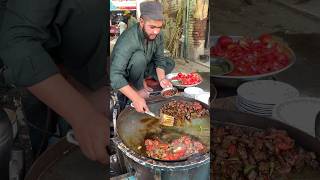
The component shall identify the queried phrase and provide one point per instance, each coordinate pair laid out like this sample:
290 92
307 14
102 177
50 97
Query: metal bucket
131 131
65 161
145 169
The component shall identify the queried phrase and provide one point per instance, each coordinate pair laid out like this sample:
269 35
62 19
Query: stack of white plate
259 97
298 112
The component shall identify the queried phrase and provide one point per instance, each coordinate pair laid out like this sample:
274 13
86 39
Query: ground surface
235 17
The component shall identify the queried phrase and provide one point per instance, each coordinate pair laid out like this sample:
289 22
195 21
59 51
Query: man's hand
92 133
140 105
164 83
137 98
146 87
143 93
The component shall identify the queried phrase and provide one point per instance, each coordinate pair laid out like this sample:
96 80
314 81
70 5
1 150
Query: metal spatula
165 119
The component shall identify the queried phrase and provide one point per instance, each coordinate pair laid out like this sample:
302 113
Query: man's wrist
137 99
83 117
162 79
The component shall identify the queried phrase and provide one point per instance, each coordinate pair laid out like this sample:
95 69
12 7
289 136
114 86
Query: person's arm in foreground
24 30
91 129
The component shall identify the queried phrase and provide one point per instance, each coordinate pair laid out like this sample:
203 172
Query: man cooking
138 55
35 36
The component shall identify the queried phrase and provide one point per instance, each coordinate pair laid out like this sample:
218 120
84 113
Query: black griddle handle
72 139
317 126
108 150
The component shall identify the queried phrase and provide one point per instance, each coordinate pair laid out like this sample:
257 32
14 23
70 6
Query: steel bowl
220 66
169 89
213 94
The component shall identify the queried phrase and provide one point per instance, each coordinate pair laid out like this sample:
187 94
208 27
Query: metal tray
235 81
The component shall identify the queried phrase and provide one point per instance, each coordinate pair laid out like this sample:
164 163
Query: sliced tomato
180 75
251 57
187 141
188 79
224 41
198 146
265 38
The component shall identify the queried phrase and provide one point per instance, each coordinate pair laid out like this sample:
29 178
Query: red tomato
251 57
180 153
187 141
265 38
148 142
180 75
224 41
149 147
198 146
171 157
216 51
188 79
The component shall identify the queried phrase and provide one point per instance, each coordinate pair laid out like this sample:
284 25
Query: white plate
192 92
262 111
298 112
258 112
171 75
254 113
255 103
254 106
204 97
268 92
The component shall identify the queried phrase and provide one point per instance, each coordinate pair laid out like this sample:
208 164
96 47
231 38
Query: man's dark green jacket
37 34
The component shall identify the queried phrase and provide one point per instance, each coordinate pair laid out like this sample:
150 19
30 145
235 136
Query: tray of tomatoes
252 58
184 79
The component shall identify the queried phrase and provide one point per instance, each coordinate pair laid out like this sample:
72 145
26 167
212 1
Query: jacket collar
140 34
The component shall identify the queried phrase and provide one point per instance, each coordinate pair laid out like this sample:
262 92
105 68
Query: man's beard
146 35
